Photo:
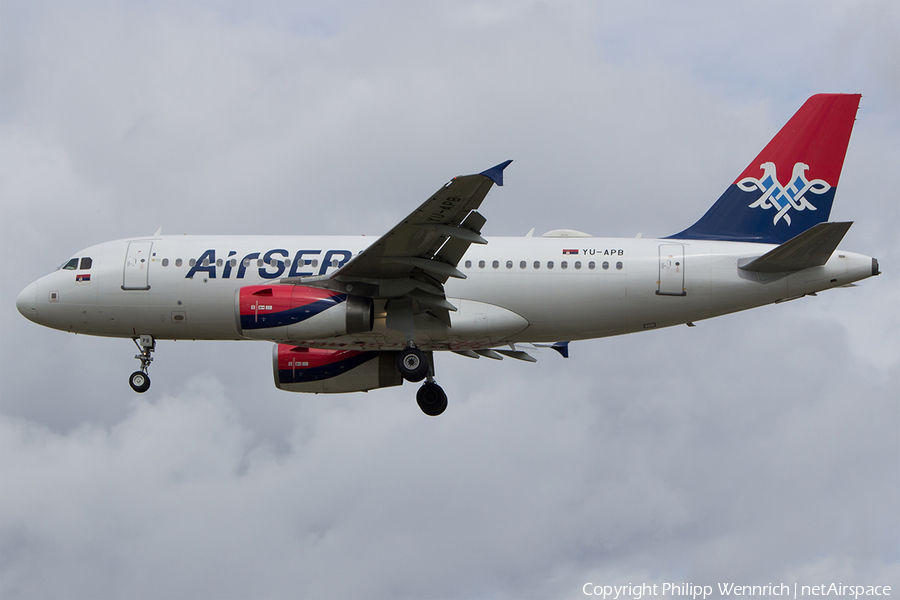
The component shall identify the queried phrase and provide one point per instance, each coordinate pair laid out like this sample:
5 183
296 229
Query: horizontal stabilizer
812 248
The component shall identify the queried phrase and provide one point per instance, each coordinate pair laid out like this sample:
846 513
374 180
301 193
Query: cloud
585 472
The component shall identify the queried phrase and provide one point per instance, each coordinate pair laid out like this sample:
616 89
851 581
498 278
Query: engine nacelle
295 312
315 370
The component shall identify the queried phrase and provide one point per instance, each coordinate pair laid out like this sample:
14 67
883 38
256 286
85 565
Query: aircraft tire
431 399
412 364
139 382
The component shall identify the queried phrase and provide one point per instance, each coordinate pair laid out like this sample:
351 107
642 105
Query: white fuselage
516 290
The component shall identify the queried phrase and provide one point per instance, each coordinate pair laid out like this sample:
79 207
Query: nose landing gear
139 380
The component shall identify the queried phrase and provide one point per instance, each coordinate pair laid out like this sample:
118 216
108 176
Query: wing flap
455 247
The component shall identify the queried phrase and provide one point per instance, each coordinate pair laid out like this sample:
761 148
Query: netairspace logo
636 592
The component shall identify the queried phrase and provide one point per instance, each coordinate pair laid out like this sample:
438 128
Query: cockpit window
71 265
86 263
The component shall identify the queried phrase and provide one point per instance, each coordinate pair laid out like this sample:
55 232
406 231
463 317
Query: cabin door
137 265
671 270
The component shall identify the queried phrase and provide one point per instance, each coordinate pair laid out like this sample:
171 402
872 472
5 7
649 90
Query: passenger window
509 264
564 265
177 262
232 262
605 265
86 263
523 264
549 264
577 264
619 266
537 264
71 265
192 262
205 262
219 263
591 265
480 264
495 264
165 262
468 264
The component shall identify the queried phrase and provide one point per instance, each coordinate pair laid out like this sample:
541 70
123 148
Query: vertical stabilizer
790 185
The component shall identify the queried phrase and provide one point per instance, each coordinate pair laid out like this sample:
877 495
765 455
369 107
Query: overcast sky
762 447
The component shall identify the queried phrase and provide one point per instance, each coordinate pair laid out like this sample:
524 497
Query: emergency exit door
671 270
137 265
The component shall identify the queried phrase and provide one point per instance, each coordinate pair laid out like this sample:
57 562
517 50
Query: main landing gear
431 398
414 366
139 380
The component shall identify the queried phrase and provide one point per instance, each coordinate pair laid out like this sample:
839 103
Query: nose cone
27 302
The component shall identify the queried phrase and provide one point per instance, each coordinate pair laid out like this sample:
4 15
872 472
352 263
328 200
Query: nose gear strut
139 380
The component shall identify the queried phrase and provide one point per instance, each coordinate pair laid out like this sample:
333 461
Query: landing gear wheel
139 382
432 399
413 364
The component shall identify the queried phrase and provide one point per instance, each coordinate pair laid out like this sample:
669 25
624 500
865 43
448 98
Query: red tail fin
790 185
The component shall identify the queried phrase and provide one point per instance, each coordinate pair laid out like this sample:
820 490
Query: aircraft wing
417 256
416 243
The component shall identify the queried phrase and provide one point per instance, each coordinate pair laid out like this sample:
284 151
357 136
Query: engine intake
294 312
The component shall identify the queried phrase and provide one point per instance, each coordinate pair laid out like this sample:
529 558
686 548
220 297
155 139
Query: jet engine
294 312
299 369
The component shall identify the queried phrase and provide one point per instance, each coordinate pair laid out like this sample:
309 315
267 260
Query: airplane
347 314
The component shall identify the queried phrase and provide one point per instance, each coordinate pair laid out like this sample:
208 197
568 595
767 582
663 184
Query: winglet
562 348
495 174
